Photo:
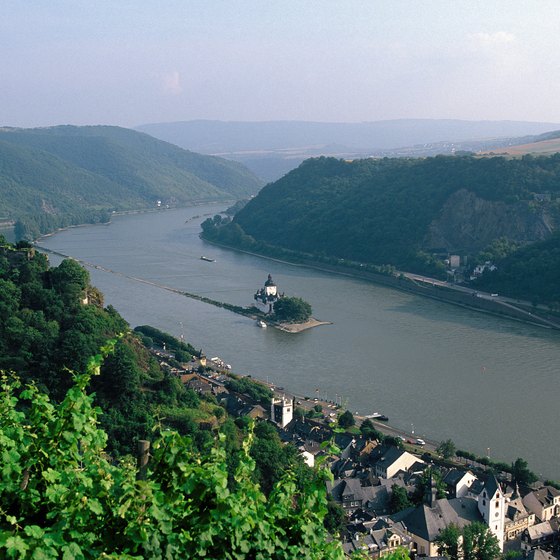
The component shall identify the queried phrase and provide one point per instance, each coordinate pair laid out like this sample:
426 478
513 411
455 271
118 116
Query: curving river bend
491 385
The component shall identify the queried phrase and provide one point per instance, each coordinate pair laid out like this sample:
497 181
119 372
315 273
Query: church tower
491 504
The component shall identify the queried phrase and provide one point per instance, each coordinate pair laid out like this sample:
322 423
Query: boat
207 259
378 416
261 324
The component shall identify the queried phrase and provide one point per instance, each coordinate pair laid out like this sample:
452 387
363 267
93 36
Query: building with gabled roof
458 482
352 496
379 541
541 535
425 522
517 517
392 460
544 502
538 554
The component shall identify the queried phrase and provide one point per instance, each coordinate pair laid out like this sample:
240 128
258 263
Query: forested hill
402 211
52 177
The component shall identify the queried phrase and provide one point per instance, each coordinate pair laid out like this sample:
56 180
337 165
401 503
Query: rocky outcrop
470 223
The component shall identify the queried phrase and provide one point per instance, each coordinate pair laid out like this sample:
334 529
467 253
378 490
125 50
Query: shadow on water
441 312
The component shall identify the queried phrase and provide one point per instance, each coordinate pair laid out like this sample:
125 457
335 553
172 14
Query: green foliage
368 430
521 473
335 519
448 542
394 441
58 176
479 543
530 272
429 478
272 457
259 392
346 420
499 249
182 349
399 499
378 212
46 330
446 449
61 497
292 309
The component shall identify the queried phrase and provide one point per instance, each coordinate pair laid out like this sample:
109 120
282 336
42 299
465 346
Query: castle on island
269 294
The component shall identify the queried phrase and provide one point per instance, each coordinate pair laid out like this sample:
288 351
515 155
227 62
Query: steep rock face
470 223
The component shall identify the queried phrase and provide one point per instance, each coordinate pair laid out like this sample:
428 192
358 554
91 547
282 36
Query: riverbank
428 287
250 312
387 351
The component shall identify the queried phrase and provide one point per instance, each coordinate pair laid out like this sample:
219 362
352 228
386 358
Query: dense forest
531 272
58 176
403 213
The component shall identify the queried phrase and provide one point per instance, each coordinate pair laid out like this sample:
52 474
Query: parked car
420 441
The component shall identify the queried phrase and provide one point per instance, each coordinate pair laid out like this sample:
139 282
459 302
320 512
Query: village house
458 482
538 554
544 502
352 496
542 535
391 460
378 538
517 517
425 522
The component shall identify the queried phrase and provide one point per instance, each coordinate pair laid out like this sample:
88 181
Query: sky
127 63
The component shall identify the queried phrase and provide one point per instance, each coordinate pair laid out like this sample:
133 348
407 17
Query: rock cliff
469 223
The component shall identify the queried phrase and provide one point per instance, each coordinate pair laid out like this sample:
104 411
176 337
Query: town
392 490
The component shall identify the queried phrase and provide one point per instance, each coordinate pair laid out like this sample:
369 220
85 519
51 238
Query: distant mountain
271 149
400 212
52 177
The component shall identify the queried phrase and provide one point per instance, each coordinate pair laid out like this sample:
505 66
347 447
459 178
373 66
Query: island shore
300 327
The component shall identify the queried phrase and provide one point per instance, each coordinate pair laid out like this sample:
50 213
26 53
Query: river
489 384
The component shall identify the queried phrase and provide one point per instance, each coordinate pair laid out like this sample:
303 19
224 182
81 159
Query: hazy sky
132 62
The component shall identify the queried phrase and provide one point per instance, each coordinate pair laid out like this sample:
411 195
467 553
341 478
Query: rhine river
491 385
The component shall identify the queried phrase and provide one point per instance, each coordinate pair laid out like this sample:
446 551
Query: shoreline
494 308
300 327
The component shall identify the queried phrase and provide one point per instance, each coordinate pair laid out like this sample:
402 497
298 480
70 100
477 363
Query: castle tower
269 294
491 504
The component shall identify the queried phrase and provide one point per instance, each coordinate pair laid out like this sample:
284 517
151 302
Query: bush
61 497
292 309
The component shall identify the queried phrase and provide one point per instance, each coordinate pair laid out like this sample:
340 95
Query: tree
292 309
521 473
399 499
479 543
346 420
448 542
335 520
446 449
431 476
70 280
368 430
474 542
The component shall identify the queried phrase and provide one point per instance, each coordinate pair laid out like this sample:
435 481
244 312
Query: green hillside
52 177
532 272
400 212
